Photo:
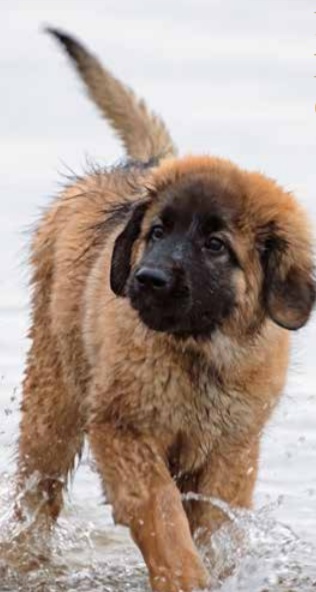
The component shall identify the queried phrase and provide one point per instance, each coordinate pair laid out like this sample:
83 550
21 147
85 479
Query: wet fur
164 415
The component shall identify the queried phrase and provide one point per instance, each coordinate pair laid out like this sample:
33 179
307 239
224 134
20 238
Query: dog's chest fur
184 402
191 399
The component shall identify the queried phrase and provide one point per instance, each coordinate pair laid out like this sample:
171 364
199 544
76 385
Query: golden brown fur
143 134
163 416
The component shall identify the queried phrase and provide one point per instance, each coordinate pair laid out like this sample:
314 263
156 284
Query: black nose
154 279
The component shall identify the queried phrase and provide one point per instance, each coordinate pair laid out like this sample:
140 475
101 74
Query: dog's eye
157 232
214 245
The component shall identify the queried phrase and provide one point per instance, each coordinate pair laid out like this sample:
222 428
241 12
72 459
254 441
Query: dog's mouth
161 313
161 321
174 314
181 325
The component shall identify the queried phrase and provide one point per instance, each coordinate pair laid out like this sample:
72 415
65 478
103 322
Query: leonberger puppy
164 293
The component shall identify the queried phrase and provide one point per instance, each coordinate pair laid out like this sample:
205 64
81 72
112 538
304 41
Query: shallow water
253 551
234 79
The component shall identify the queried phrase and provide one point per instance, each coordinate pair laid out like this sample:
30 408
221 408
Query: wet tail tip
69 42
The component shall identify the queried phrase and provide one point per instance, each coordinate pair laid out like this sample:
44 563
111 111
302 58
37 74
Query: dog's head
213 246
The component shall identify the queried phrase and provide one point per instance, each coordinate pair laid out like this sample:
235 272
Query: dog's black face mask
183 283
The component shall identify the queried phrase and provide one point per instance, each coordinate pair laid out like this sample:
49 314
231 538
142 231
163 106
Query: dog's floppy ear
121 256
289 287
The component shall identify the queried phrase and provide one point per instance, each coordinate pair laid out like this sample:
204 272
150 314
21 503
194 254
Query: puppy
164 293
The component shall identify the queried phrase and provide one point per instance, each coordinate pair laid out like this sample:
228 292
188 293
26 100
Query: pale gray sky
230 78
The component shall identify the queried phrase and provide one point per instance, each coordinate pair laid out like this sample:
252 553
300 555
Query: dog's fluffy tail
143 134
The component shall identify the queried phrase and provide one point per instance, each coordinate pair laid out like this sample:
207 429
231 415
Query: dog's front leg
228 475
146 499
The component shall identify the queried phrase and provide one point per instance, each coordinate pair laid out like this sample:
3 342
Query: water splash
252 552
259 553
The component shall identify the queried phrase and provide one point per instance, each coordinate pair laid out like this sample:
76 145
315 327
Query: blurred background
233 79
